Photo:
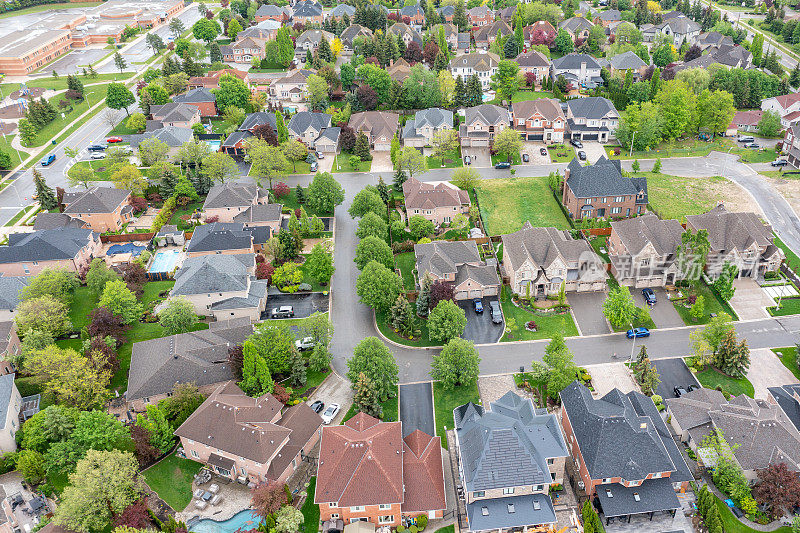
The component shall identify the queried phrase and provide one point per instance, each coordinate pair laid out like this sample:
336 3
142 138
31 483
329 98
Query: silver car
330 413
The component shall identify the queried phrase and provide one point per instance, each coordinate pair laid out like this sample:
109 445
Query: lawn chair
214 488
198 493
216 499
200 504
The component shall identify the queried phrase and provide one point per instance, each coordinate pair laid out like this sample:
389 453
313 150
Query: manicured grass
515 158
747 155
713 304
521 96
60 83
406 262
561 153
83 301
731 524
599 242
188 209
788 357
92 95
342 164
47 7
789 306
290 201
123 129
172 479
444 401
506 204
447 529
5 146
19 216
791 258
452 159
218 125
676 196
684 148
390 334
710 378
546 326
310 510
391 408
101 172
299 167
315 286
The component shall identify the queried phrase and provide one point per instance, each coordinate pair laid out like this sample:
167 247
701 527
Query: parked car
576 143
317 406
112 140
779 163
478 305
284 311
543 151
467 160
525 158
679 391
637 332
313 166
304 344
97 155
97 147
319 155
581 155
754 146
745 139
649 296
502 165
330 413
49 158
497 315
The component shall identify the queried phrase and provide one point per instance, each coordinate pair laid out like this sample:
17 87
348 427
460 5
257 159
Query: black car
753 146
502 165
97 147
679 391
543 151
576 143
779 163
317 406
525 158
581 155
649 296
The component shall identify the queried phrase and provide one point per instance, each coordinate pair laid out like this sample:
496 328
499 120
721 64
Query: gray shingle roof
490 30
200 94
636 233
95 200
174 112
603 179
489 113
534 58
732 231
443 257
232 194
173 136
339 10
220 236
574 61
352 31
510 512
307 8
330 134
412 10
255 294
627 61
314 37
260 213
610 15
46 245
213 273
788 398
56 220
480 61
651 495
401 28
9 290
435 117
303 120
6 390
485 275
257 119
576 24
680 25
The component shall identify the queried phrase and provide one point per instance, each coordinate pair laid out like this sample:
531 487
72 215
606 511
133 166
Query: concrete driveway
608 376
749 300
480 156
304 304
326 163
767 370
416 408
480 328
663 313
335 389
381 162
594 150
673 373
533 149
587 308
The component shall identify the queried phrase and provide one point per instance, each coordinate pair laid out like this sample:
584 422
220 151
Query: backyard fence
127 237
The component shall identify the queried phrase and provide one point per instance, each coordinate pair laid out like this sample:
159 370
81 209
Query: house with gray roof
601 191
222 285
236 142
419 131
459 264
446 13
201 98
227 200
509 455
759 432
10 405
480 15
535 62
310 40
464 41
180 115
261 215
172 136
351 33
538 261
482 64
55 221
439 203
307 11
623 451
644 250
199 357
340 10
273 12
67 248
787 397
406 32
9 294
679 28
226 238
592 119
487 33
605 18
578 69
628 61
101 208
577 27
450 32
416 13
481 124
309 127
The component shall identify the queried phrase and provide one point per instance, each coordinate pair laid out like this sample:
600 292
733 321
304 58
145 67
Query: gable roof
46 245
576 24
213 273
574 61
412 10
636 233
269 10
680 24
377 123
490 30
543 246
95 200
200 94
174 112
549 108
604 178
542 25
423 475
9 290
480 61
444 257
303 120
481 11
260 213
313 36
339 10
610 15
57 220
403 29
258 119
732 231
352 32
232 194
488 113
788 398
220 236
421 195
534 58
172 136
592 107
307 8
627 61
434 117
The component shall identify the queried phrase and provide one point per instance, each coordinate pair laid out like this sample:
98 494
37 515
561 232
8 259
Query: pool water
243 520
164 261
214 144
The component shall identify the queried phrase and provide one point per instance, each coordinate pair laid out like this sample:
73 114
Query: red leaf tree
145 452
430 53
266 498
441 290
778 488
103 323
135 515
413 53
280 190
541 36
530 79
265 271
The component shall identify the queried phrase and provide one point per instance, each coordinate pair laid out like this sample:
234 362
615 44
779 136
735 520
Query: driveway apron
416 408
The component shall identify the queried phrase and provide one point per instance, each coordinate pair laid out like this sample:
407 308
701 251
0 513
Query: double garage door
476 293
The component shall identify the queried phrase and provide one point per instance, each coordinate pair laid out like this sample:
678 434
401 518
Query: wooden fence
127 237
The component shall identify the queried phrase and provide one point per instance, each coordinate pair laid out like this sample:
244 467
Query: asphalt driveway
480 328
663 313
673 373
74 62
304 304
587 307
416 408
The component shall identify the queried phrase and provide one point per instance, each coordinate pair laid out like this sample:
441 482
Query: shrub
403 246
422 521
304 287
280 190
691 299
530 324
212 219
138 204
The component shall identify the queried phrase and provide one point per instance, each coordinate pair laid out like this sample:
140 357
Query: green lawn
561 153
507 203
693 147
30 385
290 201
5 146
299 167
391 408
748 155
788 357
310 510
731 524
19 216
61 82
710 378
521 96
789 306
452 159
123 129
406 262
342 164
315 286
676 196
82 304
390 334
713 304
515 158
92 95
172 479
599 242
47 7
101 173
791 258
188 209
444 401
546 326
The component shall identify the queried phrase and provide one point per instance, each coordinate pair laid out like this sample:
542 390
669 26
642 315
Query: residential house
535 62
450 33
351 33
261 215
643 251
540 32
464 42
267 29
758 432
460 264
226 238
250 439
66 248
10 405
177 115
439 203
480 15
787 397
293 87
727 55
787 106
10 345
236 142
481 124
446 13
211 79
605 18
309 40
415 12
713 39
406 32
307 12
222 286
538 261
199 357
487 33
172 136
101 208
791 145
272 12
368 472
380 127
246 47
628 61
747 120
506 14
680 28
306 126
419 130
399 70
539 120
46 220
578 69
592 119
202 98
577 27
509 455
328 140
340 10
601 191
9 294
623 452
742 239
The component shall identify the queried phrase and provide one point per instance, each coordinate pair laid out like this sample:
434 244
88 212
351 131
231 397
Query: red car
114 140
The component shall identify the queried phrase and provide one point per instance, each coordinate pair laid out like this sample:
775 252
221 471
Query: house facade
439 203
579 69
592 119
482 64
176 115
643 251
480 15
380 127
419 131
539 120
460 264
202 98
65 248
481 124
102 208
487 33
535 62
293 87
600 191
680 28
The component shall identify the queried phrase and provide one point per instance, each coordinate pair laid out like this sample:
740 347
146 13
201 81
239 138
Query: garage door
383 146
490 291
476 293
480 143
589 136
461 295
536 137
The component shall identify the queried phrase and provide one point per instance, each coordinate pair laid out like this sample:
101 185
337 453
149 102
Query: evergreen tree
794 78
325 52
383 190
297 373
424 296
399 179
460 17
440 63
400 317
459 92
300 194
366 398
282 130
361 148
474 91
511 48
45 195
647 376
190 67
214 53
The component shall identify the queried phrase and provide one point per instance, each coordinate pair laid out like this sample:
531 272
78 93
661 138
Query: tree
288 520
268 162
154 42
178 316
446 321
506 80
45 195
206 30
619 308
420 227
465 178
317 91
507 142
267 497
444 141
118 299
366 398
361 148
98 275
176 27
365 201
234 28
373 248
319 265
412 161
698 309
119 97
127 176
676 106
647 376
157 426
563 42
372 358
153 150
104 483
55 282
232 92
372 225
561 369
778 488
378 287
770 123
43 314
692 254
447 87
272 342
715 110
457 364
724 282
325 192
136 122
294 151
716 330
69 376
219 167
120 62
733 357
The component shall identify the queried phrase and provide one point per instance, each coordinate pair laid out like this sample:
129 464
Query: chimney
583 71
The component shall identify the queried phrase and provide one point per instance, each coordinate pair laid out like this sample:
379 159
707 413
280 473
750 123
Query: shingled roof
260 213
549 108
604 178
95 200
444 257
421 195
303 120
213 273
232 194
732 231
636 233
9 290
198 95
480 61
174 112
220 236
46 245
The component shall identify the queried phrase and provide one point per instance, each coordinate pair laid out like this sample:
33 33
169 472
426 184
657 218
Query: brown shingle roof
548 108
421 195
423 475
378 123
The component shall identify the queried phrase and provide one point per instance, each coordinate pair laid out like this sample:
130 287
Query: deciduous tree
178 316
372 358
457 364
118 299
446 321
378 286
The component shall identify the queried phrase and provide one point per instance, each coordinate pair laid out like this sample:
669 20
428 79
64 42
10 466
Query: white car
305 344
97 155
330 413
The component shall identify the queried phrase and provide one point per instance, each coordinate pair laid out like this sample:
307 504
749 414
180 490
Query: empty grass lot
676 196
47 7
546 326
172 478
507 203
788 357
310 510
444 401
92 95
710 378
713 304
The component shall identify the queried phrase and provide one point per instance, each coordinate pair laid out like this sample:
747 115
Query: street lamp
633 345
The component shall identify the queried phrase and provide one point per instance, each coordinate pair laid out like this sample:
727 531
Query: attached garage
383 146
536 137
589 136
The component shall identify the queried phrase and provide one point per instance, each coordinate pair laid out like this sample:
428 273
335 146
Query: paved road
416 408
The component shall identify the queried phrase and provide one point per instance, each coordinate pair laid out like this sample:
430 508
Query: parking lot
304 305
76 60
673 373
587 308
480 328
663 313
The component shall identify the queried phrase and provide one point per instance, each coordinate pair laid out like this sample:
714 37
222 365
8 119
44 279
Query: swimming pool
164 261
214 144
243 520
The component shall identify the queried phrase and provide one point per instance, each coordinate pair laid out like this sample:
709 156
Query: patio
229 498
23 509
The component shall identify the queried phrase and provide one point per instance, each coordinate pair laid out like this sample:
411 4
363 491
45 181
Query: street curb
386 339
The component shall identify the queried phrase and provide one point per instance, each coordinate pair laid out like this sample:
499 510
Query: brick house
539 120
419 131
407 33
292 87
201 98
102 208
748 120
487 33
542 27
415 12
70 249
438 203
577 27
535 62
175 114
271 12
226 238
249 439
307 12
340 10
380 127
307 126
460 264
623 452
600 191
592 119
211 79
450 32
481 124
368 472
480 15
643 250
227 200
446 13
606 18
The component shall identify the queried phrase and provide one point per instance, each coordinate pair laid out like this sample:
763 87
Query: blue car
649 296
638 332
46 160
478 304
